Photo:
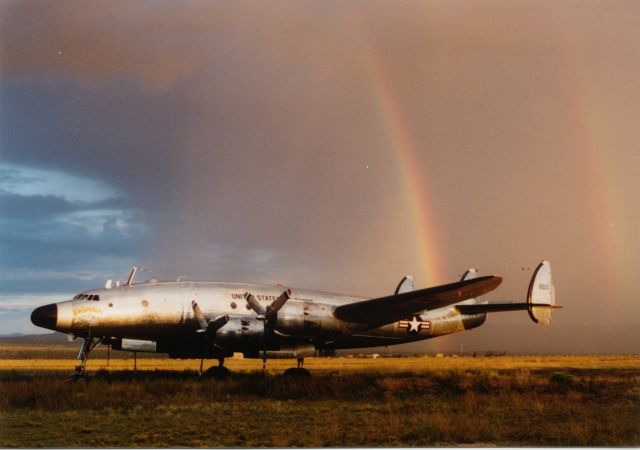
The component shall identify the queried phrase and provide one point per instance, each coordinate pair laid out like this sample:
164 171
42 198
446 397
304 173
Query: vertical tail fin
541 292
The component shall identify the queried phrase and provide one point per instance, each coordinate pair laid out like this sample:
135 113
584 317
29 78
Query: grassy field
523 401
333 365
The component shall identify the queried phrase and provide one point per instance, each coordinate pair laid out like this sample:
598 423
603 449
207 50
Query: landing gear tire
297 373
218 373
80 378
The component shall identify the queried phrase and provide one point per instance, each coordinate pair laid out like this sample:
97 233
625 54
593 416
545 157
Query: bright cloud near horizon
330 145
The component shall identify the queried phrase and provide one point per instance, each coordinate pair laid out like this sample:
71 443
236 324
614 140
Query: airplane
214 320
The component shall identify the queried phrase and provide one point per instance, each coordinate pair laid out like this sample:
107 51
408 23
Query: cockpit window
94 297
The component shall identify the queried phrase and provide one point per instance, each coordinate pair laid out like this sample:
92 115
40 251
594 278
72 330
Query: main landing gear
297 372
219 372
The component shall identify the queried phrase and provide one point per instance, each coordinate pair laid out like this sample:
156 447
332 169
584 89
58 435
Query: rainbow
595 148
409 165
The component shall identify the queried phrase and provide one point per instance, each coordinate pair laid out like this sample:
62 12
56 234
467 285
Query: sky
335 145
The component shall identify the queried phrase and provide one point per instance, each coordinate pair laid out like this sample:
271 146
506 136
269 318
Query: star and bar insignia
415 325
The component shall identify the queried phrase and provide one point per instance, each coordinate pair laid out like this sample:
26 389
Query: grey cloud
289 141
40 233
19 207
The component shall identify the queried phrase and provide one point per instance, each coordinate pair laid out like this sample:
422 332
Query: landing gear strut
87 346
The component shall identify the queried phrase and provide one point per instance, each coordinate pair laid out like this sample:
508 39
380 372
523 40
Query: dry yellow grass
505 401
339 364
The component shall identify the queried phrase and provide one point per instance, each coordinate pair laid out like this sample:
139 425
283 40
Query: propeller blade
280 301
254 304
197 312
216 324
271 314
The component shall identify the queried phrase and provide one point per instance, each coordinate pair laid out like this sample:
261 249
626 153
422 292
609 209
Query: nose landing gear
87 346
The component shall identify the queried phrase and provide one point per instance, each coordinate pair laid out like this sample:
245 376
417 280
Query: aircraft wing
383 310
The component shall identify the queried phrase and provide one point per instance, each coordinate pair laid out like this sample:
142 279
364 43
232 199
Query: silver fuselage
161 312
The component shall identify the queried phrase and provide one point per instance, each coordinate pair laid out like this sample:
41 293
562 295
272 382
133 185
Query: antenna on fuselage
131 275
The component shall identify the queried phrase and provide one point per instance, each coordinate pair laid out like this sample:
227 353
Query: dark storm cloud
97 133
45 237
208 140
33 207
248 141
57 227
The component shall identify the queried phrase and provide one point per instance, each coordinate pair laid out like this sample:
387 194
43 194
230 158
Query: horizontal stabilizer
383 310
541 299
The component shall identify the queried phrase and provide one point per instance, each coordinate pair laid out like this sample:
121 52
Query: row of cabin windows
95 297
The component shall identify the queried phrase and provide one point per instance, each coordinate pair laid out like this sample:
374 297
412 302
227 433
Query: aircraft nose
45 316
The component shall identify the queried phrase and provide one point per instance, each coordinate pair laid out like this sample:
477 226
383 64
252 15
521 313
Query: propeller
208 329
268 315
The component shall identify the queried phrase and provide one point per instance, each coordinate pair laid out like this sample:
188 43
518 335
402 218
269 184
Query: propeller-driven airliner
214 320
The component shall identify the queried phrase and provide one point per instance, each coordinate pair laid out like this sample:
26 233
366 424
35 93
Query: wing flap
383 310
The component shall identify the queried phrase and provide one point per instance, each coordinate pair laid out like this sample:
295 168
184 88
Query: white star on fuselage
414 325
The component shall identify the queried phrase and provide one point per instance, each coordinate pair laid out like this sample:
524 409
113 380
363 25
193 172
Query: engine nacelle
300 351
307 319
134 345
240 332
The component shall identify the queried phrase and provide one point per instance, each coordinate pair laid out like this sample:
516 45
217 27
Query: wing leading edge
383 310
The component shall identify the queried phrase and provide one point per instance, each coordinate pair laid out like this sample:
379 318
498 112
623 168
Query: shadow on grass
149 388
